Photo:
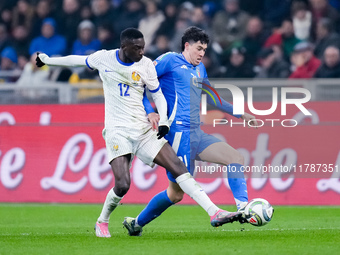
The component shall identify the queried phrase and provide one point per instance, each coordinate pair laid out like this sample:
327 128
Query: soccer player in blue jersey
180 77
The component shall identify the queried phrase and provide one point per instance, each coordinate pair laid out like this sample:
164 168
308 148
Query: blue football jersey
177 75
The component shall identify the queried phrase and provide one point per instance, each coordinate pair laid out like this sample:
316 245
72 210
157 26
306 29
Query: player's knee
238 158
122 187
176 196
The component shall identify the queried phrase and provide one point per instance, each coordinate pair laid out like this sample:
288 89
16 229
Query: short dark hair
194 34
130 34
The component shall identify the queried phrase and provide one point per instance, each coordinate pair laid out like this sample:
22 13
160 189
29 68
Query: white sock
194 190
136 222
240 204
111 202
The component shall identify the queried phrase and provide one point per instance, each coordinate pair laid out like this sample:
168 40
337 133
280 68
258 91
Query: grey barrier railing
65 93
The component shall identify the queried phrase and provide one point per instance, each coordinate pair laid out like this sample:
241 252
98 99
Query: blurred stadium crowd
249 38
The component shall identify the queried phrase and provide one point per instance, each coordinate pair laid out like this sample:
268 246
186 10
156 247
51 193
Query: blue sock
237 183
155 207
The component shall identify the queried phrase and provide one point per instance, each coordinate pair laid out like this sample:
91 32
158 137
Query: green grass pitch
68 229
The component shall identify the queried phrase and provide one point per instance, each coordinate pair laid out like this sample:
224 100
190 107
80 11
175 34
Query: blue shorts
188 145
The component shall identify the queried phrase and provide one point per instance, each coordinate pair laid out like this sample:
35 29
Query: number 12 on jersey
126 92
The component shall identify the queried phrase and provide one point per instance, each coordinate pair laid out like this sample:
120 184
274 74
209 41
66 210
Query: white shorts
144 144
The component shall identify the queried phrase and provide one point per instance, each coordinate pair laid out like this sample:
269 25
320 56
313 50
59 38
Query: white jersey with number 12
124 85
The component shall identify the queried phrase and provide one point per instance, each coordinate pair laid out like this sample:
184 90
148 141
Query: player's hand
250 119
40 59
154 119
162 131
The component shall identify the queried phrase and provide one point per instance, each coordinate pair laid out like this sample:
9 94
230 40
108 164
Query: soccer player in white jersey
127 132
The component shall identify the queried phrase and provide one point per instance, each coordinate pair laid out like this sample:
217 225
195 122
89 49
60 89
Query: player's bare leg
175 193
169 160
222 153
120 168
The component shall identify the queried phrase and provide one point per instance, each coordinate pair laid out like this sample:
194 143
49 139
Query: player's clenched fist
40 59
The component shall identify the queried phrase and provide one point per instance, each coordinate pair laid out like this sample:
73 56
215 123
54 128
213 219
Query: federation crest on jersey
198 72
135 76
115 147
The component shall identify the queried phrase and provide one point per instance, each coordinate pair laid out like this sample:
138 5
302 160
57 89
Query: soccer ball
258 212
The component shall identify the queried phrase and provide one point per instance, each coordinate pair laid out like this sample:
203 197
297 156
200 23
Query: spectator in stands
321 9
229 25
325 36
151 22
302 20
167 27
49 42
85 77
284 37
107 37
200 20
133 12
330 67
4 40
304 61
272 65
68 19
6 18
9 62
85 12
182 23
212 64
86 43
103 14
42 11
21 44
9 59
254 39
23 14
238 66
186 11
37 77
160 46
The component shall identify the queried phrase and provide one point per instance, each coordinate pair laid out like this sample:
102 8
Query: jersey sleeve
147 105
151 80
93 61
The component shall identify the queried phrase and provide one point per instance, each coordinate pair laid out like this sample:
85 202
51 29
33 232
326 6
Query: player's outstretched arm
228 108
215 100
71 60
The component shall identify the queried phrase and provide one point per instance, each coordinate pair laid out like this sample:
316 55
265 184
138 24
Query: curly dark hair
193 35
